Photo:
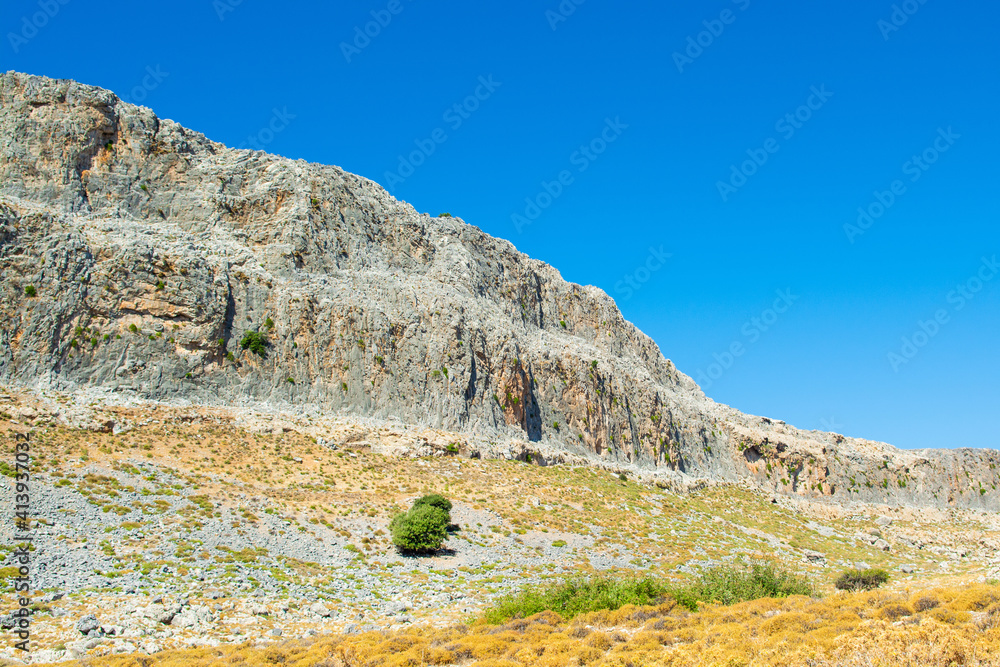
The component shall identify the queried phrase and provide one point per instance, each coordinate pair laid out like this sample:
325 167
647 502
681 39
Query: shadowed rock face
152 251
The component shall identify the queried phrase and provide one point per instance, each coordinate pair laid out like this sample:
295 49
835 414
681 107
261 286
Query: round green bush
435 500
421 530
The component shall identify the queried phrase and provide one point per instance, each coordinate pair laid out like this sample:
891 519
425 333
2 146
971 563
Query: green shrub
577 596
160 285
445 215
435 500
256 342
30 291
422 530
269 323
133 328
729 584
861 580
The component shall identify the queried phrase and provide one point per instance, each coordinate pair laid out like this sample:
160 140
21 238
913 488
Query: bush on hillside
435 500
861 580
424 528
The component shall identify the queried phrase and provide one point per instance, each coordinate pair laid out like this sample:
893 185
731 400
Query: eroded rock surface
151 251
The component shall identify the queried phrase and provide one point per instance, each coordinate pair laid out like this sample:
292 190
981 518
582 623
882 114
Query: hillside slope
152 251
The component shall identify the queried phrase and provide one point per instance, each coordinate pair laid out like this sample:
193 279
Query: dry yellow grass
944 626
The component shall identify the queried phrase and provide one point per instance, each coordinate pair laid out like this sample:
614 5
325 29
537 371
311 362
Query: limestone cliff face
152 251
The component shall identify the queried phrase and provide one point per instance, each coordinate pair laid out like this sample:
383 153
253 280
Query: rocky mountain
138 255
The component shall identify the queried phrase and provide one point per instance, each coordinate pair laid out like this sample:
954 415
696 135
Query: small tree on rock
256 342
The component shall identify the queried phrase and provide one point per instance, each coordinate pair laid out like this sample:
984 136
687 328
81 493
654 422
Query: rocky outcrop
137 255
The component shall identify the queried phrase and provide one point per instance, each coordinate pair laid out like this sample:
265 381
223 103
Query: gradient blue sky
224 67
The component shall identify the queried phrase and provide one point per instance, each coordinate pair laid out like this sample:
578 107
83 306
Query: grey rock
814 556
88 624
320 609
398 607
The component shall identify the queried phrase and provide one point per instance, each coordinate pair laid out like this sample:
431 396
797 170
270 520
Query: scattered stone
88 624
814 556
320 609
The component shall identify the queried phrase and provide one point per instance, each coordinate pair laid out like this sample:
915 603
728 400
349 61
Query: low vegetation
577 596
861 580
932 628
727 584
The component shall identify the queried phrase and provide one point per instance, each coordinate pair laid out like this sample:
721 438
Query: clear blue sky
901 89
